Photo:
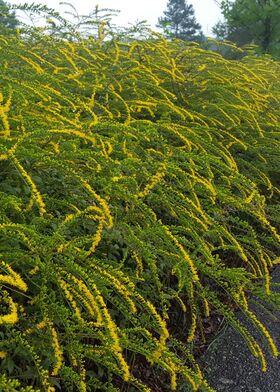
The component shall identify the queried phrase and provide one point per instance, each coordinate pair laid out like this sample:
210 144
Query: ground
230 367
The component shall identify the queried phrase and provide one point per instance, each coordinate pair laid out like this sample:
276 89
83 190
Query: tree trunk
267 34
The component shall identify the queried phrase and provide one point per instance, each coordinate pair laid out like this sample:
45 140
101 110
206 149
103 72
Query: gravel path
230 367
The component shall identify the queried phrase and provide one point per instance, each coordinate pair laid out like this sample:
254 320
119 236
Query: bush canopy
139 182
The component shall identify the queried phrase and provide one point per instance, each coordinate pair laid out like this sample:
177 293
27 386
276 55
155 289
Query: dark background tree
8 20
179 21
251 21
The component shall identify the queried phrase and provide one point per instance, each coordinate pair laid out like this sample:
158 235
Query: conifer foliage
179 21
8 19
136 179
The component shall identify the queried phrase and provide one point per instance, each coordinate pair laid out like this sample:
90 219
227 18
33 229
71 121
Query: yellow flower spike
70 218
184 253
36 194
87 299
127 109
97 236
181 303
70 298
32 63
259 354
198 209
74 133
139 264
173 384
276 261
88 108
264 331
29 205
153 182
124 365
125 151
68 57
121 288
263 220
58 354
5 121
3 354
113 332
172 369
203 181
201 68
3 157
243 298
179 133
164 334
55 147
13 279
41 325
233 240
193 325
103 148
83 386
102 202
206 307
73 360
61 248
190 380
12 317
250 197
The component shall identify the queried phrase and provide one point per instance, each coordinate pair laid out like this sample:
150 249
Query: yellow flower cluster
153 182
97 236
35 192
264 331
83 385
113 332
34 270
58 354
139 264
70 298
12 317
124 292
13 279
193 308
73 132
164 334
56 147
184 253
32 63
102 202
81 291
4 109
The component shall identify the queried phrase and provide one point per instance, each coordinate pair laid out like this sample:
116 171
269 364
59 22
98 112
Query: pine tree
8 19
179 21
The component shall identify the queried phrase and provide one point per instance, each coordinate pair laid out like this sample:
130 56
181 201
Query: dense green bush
136 178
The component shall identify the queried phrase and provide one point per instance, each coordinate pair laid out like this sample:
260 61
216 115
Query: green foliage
70 25
251 21
8 21
179 21
135 178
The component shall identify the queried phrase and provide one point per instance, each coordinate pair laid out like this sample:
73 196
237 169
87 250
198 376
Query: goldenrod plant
137 179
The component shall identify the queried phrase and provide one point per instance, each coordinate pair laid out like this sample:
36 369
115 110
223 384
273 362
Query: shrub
135 178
